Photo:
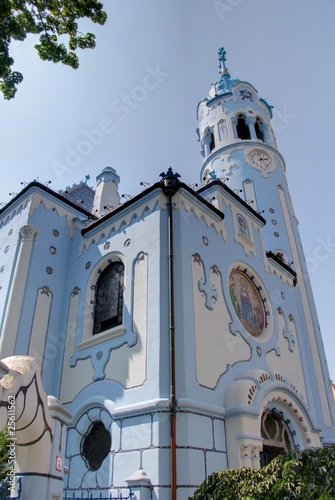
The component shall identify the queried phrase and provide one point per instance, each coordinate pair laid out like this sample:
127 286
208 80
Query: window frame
101 325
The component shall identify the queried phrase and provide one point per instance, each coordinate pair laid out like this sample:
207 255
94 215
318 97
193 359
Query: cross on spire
222 61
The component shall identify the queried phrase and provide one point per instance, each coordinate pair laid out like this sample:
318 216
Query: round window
95 445
247 302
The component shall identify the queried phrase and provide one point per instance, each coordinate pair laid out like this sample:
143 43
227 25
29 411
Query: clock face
260 160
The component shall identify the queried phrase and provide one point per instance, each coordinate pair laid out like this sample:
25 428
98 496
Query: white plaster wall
74 379
216 347
288 361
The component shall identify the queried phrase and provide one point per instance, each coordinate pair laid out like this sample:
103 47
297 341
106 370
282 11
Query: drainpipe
170 187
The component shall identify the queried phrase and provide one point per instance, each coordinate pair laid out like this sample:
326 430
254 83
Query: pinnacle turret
222 86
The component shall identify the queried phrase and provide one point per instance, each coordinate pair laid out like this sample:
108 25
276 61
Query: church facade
176 331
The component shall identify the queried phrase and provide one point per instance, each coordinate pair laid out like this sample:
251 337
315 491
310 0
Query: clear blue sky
285 48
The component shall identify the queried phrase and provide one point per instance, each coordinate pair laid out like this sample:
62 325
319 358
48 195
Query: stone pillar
206 142
27 235
250 448
264 128
250 122
234 125
140 485
61 418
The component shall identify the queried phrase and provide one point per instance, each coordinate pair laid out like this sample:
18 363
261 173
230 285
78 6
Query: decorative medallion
205 241
247 302
52 250
276 234
271 210
246 94
274 222
49 270
107 245
6 249
127 242
55 232
10 232
88 265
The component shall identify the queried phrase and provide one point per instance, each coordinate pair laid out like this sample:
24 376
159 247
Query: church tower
239 146
239 149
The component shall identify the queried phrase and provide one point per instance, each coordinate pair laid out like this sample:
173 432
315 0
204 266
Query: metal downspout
170 187
173 404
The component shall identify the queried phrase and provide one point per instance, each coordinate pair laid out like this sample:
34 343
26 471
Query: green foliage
50 19
305 475
4 455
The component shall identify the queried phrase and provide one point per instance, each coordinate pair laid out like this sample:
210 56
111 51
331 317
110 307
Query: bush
306 475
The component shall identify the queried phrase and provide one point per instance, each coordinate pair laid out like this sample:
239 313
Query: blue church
152 342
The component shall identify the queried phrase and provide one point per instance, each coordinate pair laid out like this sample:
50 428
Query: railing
3 491
95 495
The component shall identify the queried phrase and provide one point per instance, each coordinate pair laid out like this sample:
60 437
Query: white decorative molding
101 337
17 289
28 232
40 323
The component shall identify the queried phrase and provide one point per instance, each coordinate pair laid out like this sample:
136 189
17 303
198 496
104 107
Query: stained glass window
109 298
247 302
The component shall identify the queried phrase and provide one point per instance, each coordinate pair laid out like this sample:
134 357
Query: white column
206 142
12 317
250 122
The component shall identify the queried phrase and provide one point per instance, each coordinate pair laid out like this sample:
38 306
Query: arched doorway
276 437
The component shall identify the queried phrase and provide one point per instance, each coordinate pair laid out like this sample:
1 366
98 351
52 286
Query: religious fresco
247 302
242 226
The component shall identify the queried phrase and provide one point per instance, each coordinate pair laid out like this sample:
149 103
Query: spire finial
222 60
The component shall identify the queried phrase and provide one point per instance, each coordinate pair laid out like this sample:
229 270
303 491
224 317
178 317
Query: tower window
109 298
212 143
242 128
258 130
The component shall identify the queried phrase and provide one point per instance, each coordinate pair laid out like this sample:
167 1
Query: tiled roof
80 194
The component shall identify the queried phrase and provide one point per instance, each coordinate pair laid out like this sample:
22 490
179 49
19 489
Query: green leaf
50 19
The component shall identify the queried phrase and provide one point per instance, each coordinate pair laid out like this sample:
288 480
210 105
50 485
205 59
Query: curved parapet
35 424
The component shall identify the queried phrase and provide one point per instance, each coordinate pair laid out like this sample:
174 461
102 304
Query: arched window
276 439
242 128
212 143
258 130
109 298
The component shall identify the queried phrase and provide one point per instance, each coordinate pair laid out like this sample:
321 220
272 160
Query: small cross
222 60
